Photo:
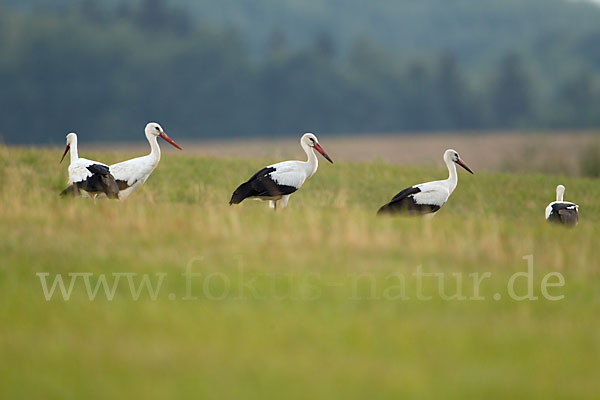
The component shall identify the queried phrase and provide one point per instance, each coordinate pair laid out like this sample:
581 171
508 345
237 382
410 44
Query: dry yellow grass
321 319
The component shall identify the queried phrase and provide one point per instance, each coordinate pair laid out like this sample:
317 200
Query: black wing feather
98 169
564 213
101 181
404 202
405 193
260 185
399 202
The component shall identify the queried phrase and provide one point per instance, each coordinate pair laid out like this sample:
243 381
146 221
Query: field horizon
548 152
321 300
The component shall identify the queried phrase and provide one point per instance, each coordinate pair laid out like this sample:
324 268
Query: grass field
317 301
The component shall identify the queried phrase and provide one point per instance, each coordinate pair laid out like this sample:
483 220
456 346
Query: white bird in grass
278 181
426 198
560 211
92 177
132 174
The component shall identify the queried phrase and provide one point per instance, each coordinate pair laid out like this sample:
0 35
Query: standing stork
278 181
426 198
90 176
560 211
132 174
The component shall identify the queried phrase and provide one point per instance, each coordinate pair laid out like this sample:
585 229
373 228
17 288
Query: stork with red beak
132 174
92 177
278 181
427 198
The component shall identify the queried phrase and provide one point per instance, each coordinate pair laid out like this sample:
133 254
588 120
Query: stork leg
275 205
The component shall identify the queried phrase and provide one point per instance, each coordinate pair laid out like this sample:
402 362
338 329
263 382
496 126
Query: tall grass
301 303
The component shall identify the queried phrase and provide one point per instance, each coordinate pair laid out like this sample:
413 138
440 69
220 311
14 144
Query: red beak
323 152
169 140
65 153
462 164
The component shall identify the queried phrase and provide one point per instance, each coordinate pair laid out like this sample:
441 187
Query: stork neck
560 195
312 162
154 147
73 150
453 176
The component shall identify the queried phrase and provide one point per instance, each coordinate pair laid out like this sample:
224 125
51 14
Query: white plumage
562 211
568 206
93 177
77 170
293 173
277 182
429 197
132 174
436 193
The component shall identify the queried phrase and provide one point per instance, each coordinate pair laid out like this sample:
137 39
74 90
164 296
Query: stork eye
312 140
157 128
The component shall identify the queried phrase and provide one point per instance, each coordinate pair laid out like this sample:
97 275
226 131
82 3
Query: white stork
560 211
278 181
90 176
427 198
132 174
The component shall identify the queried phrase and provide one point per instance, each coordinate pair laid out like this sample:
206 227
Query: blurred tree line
106 71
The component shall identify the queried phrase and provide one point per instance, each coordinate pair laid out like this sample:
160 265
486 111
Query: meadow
320 300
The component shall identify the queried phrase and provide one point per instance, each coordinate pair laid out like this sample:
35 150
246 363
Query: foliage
471 29
105 71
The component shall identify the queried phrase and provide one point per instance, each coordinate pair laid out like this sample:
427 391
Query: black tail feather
95 184
569 217
408 207
242 192
111 188
385 209
70 190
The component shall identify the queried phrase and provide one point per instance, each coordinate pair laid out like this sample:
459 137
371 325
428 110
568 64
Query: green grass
319 320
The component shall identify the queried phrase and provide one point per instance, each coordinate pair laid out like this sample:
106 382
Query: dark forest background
272 67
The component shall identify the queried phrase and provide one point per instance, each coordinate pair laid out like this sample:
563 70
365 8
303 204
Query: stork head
560 193
311 140
71 139
452 156
154 129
